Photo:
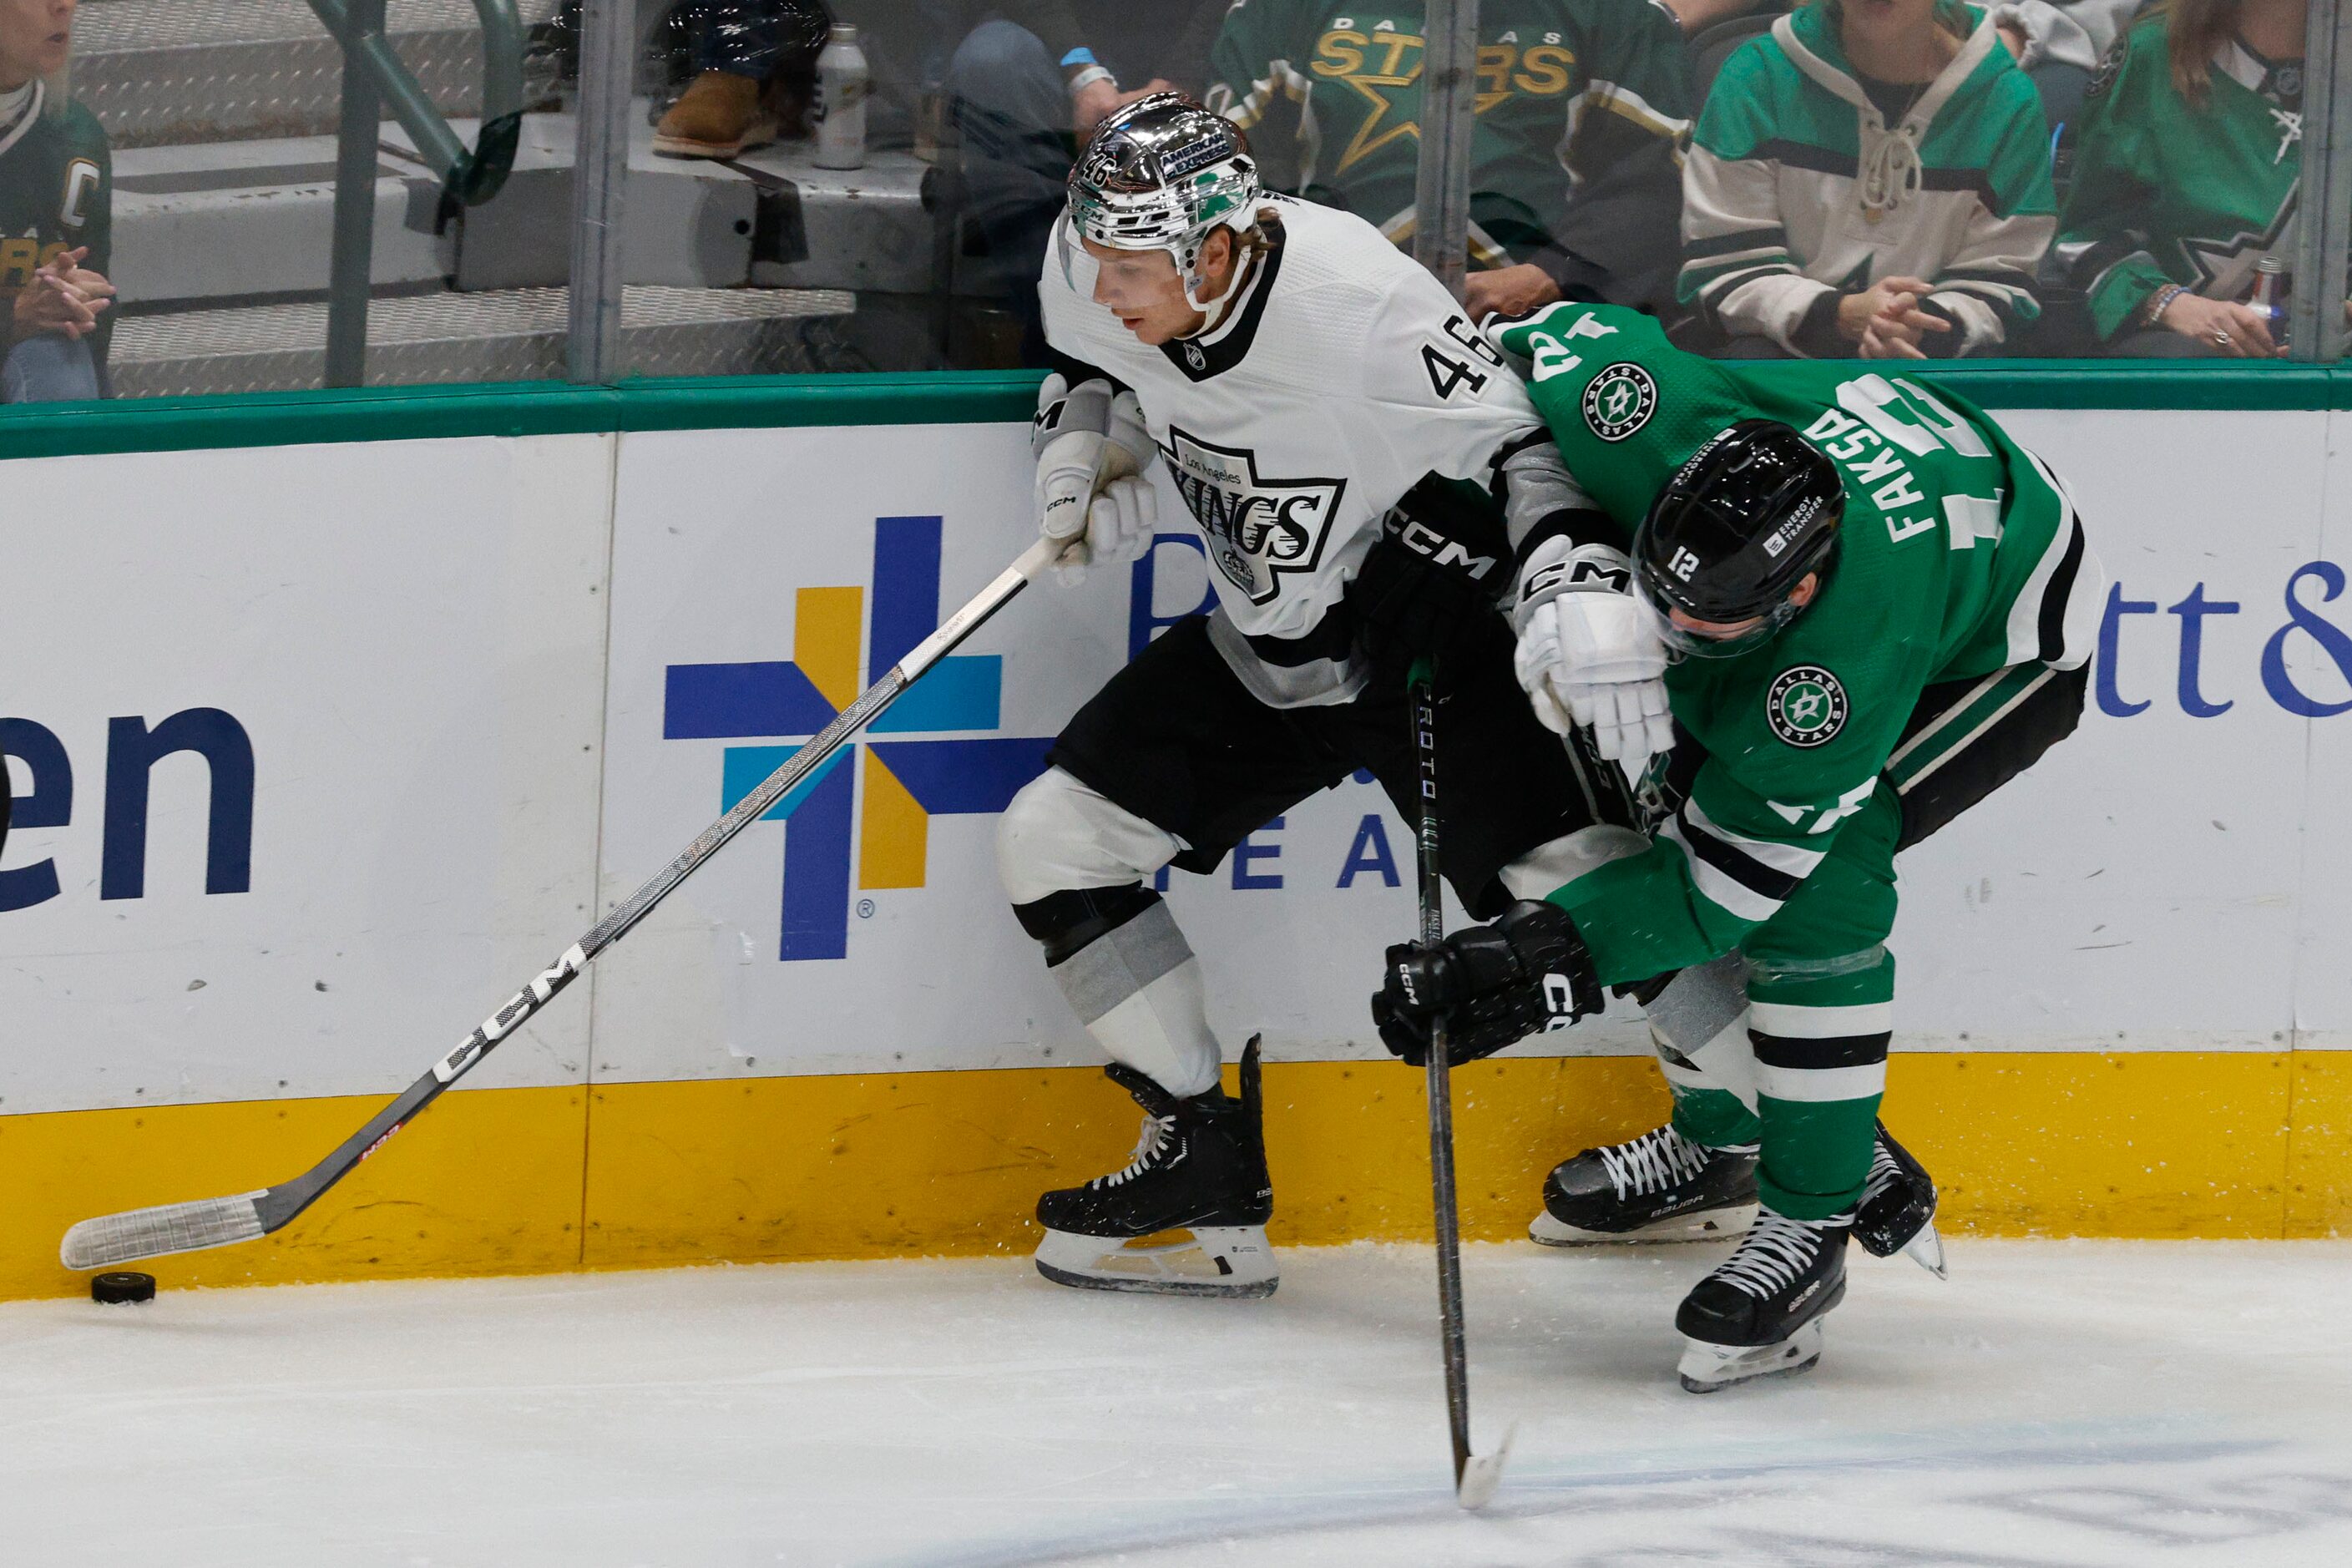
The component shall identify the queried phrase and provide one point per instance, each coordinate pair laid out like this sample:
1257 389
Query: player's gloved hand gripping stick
116 1238
1475 1476
1092 450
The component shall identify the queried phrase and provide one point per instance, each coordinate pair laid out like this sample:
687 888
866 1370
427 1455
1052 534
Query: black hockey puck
121 1286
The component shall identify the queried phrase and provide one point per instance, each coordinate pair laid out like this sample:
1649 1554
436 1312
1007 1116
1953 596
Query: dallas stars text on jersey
1568 92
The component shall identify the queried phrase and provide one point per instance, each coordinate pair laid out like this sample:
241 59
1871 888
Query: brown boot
718 116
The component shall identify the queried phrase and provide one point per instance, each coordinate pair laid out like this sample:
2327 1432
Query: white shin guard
1701 1019
1138 990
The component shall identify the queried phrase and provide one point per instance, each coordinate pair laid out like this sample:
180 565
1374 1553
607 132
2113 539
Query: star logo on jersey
1806 705
1259 529
1620 400
2225 268
1375 69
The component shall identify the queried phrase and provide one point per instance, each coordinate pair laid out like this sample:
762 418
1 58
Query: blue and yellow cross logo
905 783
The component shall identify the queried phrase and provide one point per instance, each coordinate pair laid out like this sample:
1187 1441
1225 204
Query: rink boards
326 739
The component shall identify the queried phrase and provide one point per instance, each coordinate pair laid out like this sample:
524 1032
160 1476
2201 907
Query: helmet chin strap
1244 257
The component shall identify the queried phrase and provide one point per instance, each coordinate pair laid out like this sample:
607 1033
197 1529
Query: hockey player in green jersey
2185 174
55 204
1867 608
1574 175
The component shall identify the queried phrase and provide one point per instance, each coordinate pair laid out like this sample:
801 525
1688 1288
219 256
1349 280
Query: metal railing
375 79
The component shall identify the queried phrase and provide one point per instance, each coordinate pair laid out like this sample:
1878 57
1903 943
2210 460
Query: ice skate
1761 1312
1199 1170
1899 1208
1658 1188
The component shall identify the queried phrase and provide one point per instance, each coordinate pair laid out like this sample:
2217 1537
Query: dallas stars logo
1620 400
1806 705
1379 72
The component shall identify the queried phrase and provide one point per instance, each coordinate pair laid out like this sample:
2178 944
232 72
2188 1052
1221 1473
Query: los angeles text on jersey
1259 529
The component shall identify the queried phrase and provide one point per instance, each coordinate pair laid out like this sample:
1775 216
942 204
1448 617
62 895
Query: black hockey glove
1494 986
1438 569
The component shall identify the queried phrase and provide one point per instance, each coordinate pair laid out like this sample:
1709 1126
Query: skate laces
1154 1138
1884 1174
1655 1161
1775 1253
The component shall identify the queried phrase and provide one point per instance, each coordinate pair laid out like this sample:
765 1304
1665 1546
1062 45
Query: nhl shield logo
1620 400
1806 705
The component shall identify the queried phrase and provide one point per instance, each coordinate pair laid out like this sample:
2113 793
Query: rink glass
1610 154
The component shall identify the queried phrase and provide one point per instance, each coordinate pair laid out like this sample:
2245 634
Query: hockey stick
1474 1477
126 1237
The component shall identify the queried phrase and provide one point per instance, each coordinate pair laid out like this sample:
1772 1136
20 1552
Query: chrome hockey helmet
1161 174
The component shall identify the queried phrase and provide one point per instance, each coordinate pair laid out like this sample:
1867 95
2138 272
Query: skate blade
1704 1225
1707 1367
1211 1260
1927 1250
1484 1473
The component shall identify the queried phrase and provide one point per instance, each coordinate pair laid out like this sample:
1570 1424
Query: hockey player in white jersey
1361 468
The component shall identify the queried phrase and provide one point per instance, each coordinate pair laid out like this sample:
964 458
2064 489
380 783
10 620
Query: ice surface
2138 1404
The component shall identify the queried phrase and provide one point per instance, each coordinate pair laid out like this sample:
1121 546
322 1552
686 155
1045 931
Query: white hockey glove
1091 449
1589 652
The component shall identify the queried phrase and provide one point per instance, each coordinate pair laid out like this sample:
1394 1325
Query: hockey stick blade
1481 1473
113 1238
158 1232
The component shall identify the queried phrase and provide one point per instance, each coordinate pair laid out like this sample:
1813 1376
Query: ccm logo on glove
1491 985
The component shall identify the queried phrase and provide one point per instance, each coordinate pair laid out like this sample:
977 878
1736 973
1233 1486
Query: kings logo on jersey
1258 529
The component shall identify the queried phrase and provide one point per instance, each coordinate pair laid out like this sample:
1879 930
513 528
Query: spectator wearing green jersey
2187 175
1573 161
55 187
1870 178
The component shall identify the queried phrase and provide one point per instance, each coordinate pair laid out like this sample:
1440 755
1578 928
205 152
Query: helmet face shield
1079 270
1684 643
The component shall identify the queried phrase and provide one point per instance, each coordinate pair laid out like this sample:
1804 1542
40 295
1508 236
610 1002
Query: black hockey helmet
1735 530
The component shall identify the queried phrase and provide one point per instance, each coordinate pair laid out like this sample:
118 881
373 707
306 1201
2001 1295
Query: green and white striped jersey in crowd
2165 192
1959 556
1570 92
1796 189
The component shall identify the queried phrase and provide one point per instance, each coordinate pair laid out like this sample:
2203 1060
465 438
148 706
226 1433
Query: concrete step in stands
161 71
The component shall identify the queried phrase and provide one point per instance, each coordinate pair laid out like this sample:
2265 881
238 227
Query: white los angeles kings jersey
1340 376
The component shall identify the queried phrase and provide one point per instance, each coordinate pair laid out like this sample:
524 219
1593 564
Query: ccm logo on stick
521 1005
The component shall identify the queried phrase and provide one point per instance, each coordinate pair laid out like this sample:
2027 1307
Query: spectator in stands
751 56
1872 178
56 196
1026 87
2186 174
1573 164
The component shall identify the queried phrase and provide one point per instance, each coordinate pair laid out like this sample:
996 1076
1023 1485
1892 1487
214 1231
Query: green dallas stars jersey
1583 95
56 194
2166 192
1959 557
